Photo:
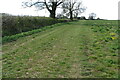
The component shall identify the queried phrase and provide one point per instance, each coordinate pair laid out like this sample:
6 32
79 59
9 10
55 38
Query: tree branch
30 4
47 6
59 2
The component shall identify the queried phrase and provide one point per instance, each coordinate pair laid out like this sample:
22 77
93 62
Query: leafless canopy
71 7
92 16
50 5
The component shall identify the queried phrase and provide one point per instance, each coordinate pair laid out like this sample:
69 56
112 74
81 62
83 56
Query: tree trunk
54 7
71 15
52 14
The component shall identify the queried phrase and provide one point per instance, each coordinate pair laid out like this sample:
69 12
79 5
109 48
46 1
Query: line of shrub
12 25
23 34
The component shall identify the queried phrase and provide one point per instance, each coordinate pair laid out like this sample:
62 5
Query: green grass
79 49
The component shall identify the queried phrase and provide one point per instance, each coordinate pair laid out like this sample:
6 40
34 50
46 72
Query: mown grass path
63 51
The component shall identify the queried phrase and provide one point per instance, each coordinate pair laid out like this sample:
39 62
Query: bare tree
50 5
92 16
73 8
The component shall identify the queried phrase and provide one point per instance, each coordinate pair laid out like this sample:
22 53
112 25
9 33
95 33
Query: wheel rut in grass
49 54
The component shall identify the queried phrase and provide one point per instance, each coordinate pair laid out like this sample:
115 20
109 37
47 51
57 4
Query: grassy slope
64 51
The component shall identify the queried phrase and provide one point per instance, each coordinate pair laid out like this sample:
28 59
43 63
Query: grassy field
81 49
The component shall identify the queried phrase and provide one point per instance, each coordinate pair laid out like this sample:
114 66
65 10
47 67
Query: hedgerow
12 25
11 38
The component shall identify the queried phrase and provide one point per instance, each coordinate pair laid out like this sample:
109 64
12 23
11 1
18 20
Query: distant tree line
91 17
84 18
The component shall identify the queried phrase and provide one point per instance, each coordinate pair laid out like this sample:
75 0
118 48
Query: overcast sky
105 9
